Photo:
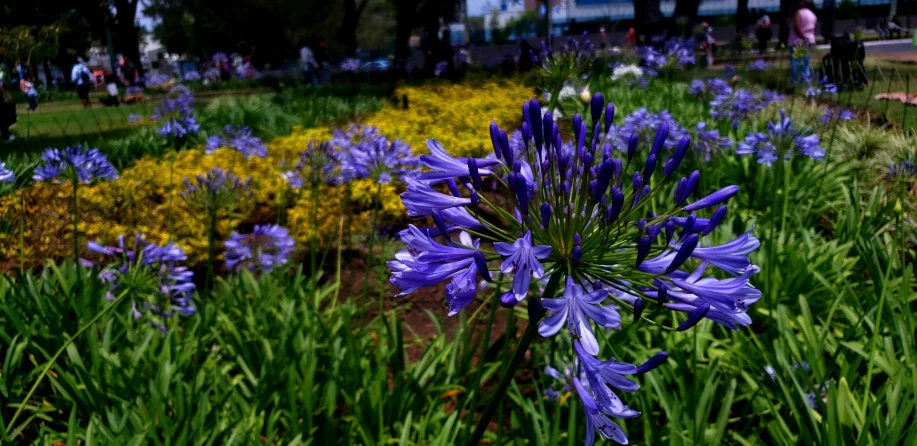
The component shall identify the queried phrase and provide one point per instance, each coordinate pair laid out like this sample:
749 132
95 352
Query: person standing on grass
309 64
7 115
82 78
27 87
802 34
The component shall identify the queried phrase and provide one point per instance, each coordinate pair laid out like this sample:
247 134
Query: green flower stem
169 218
510 371
76 217
47 367
22 232
211 241
372 242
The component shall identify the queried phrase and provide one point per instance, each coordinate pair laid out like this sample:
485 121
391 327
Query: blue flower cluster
573 215
74 164
905 170
238 138
670 54
739 105
176 114
158 283
216 190
780 141
363 152
6 175
267 247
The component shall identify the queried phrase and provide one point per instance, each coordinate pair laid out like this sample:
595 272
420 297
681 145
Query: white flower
623 71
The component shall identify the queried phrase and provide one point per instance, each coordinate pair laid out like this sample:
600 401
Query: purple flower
266 247
74 164
317 164
577 308
710 88
780 141
906 170
6 175
758 65
215 191
350 65
421 200
443 166
158 80
834 115
192 76
239 138
521 259
365 153
152 275
709 142
427 263
134 118
175 114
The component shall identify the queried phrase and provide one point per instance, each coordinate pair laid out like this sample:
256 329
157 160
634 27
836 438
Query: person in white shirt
82 78
309 64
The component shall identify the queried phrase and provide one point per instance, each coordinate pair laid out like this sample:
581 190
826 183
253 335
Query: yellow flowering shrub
139 201
457 116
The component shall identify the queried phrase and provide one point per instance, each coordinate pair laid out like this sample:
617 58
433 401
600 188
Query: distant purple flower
836 114
317 164
153 275
672 54
157 80
6 175
441 68
710 88
134 118
709 142
904 170
192 76
74 164
133 90
740 105
215 191
758 65
780 141
176 114
266 247
350 65
365 153
822 88
646 125
239 138
219 57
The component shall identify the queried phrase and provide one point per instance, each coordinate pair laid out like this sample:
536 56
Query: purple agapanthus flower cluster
781 141
740 105
6 175
267 247
710 88
672 54
134 118
834 115
176 114
219 57
152 276
758 65
74 164
317 164
572 215
364 153
906 170
645 125
239 138
216 190
709 142
158 80
579 52
133 90
192 76
824 87
351 65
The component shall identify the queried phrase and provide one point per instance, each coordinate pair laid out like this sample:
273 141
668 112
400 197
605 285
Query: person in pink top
802 33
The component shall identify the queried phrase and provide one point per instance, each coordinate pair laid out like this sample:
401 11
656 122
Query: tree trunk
405 15
48 76
787 12
742 21
687 9
647 19
348 31
128 39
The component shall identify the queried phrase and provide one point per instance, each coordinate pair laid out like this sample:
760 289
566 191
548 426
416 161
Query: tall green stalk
76 217
211 242
372 242
510 370
47 367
